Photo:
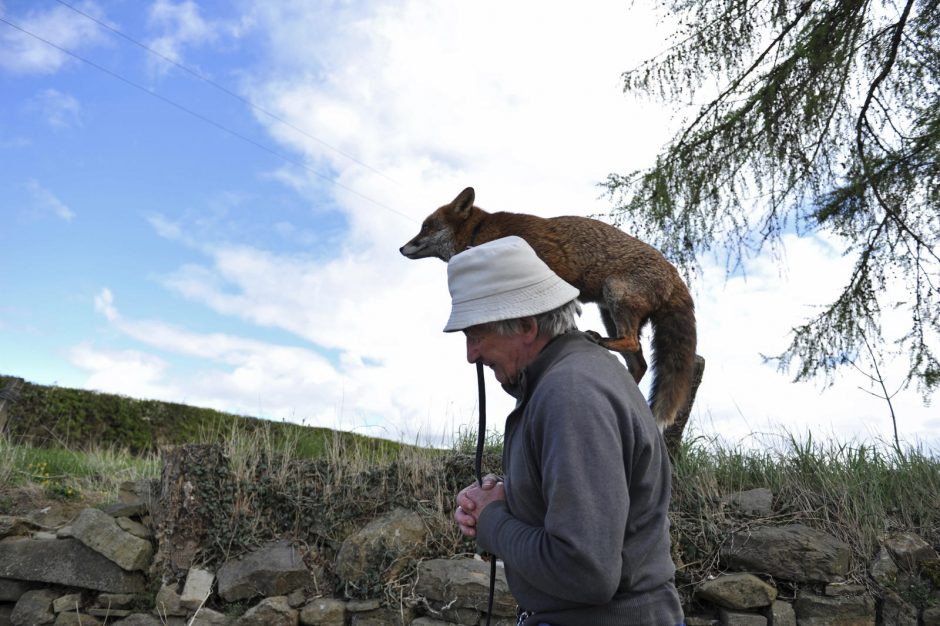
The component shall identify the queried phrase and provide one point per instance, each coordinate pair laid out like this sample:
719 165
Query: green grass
318 485
856 492
50 416
69 474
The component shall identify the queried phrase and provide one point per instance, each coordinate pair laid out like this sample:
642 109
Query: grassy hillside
48 416
66 445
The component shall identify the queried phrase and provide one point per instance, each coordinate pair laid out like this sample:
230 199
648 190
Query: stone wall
121 565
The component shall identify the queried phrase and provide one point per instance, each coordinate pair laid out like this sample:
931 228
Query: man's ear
530 328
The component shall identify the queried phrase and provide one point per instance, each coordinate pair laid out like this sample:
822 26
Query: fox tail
673 348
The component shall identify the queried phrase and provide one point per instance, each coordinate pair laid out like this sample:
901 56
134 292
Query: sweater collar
531 373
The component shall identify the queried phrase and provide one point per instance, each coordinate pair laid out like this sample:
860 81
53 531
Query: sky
203 203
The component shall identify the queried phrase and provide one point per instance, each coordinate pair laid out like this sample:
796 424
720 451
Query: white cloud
23 51
233 373
60 110
742 398
182 26
127 372
441 96
47 203
528 109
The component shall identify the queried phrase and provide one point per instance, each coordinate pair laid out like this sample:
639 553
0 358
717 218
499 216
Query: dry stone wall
110 566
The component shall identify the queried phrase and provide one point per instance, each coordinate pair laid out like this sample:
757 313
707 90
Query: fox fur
631 282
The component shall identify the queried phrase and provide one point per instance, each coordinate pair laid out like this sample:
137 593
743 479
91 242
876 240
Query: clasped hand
473 499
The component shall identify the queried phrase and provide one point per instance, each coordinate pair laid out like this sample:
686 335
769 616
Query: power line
205 119
224 89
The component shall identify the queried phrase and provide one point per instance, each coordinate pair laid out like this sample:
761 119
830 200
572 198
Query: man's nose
473 352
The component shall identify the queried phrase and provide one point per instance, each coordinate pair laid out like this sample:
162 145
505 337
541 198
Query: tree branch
804 9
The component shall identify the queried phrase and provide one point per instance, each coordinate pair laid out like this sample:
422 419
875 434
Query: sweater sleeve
575 554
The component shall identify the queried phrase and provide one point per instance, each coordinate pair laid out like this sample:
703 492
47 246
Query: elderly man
580 516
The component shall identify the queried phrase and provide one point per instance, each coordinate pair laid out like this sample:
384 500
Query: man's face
506 355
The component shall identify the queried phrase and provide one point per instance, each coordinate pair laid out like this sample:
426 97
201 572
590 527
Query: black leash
478 466
481 431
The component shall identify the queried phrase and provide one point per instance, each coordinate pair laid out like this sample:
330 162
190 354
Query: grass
67 474
318 485
855 492
51 416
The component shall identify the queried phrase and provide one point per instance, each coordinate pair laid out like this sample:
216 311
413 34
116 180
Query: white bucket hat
499 280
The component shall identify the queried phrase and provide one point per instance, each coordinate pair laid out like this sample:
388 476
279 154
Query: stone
140 619
883 569
323 612
297 598
844 589
384 538
361 606
108 613
737 591
71 618
782 614
752 503
11 590
737 618
121 509
816 610
383 617
65 562
453 615
464 583
275 569
69 602
140 491
34 608
197 588
208 617
931 616
135 528
13 526
895 611
116 600
100 532
794 552
167 602
909 550
270 612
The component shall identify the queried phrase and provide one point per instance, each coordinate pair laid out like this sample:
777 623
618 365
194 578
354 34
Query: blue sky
203 203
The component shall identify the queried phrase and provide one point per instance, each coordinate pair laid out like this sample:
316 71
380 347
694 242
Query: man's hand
473 499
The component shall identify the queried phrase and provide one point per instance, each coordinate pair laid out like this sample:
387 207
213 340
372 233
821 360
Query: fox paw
594 336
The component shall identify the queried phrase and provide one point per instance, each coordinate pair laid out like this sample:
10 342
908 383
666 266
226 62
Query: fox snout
412 250
430 243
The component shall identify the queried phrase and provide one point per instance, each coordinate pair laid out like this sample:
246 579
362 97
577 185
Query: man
580 516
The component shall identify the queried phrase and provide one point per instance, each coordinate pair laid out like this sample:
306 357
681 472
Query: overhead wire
224 89
205 119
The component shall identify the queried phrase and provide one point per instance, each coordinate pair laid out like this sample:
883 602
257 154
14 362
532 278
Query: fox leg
624 341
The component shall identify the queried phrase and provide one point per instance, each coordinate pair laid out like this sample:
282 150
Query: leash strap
478 466
481 430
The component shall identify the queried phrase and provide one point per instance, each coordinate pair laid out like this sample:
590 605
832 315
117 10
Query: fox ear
464 202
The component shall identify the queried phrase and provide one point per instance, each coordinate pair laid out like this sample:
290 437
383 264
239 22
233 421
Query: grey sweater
584 532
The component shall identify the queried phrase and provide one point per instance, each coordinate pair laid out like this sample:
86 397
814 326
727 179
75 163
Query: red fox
631 282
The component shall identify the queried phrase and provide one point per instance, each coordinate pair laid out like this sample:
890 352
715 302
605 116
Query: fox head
441 232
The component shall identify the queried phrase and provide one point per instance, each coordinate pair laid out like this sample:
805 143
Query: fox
630 281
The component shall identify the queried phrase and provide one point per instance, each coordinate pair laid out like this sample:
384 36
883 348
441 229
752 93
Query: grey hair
550 324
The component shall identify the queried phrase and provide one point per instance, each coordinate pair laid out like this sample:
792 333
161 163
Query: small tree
826 120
